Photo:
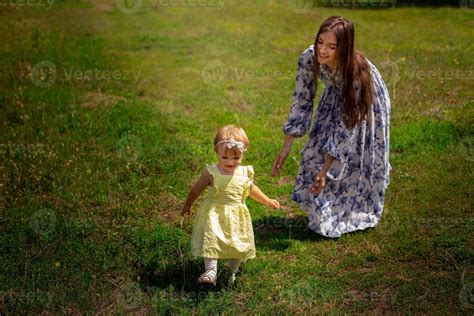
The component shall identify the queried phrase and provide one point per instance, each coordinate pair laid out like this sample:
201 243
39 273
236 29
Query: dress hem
305 207
201 255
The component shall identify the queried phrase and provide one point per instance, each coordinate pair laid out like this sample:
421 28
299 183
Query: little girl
222 227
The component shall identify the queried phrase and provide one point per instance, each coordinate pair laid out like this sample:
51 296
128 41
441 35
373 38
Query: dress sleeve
248 184
299 119
212 169
250 175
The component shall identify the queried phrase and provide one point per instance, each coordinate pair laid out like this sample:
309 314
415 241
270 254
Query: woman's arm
299 120
196 191
259 196
280 159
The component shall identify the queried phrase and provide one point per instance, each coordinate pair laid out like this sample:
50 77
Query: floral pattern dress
353 197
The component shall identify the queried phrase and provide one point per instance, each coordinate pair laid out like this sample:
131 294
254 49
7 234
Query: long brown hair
354 69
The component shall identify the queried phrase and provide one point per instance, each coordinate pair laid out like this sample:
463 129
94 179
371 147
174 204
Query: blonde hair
231 131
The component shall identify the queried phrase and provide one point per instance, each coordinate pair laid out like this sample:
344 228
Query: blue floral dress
353 197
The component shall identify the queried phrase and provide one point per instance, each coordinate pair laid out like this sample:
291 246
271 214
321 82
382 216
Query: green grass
100 147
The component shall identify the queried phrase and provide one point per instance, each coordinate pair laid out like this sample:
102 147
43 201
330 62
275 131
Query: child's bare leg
234 264
210 264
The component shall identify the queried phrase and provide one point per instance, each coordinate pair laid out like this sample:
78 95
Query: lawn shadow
179 276
181 279
276 233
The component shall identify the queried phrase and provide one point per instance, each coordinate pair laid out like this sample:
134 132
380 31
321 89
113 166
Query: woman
344 169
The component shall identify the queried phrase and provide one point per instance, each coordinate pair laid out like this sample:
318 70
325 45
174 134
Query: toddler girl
222 228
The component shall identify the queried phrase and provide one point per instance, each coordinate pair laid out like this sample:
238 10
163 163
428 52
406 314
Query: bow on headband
231 143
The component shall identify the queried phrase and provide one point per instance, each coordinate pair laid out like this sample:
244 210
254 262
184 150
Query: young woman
344 169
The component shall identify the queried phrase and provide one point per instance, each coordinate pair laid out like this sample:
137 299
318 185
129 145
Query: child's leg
210 264
234 264
210 275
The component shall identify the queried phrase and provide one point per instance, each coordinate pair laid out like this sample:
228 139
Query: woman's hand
280 160
320 179
282 155
319 183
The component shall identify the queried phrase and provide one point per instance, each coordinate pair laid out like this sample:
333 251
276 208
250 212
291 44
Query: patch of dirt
238 100
285 180
168 208
374 248
245 107
382 298
127 298
290 207
92 100
104 6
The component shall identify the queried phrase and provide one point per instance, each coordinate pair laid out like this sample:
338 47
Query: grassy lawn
108 118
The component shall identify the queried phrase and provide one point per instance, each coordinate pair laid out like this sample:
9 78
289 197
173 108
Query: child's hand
274 204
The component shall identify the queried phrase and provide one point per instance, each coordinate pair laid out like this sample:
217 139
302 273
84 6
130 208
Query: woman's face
326 48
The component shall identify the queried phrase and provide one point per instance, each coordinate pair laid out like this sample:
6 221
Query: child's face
229 159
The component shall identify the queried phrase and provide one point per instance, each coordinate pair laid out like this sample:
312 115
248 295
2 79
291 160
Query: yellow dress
222 227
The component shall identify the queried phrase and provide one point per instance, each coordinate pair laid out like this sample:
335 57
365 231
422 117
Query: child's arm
259 196
196 190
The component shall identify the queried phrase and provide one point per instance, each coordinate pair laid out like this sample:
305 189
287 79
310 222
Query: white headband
231 143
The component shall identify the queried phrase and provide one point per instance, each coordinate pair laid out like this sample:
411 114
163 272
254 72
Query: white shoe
232 278
208 277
